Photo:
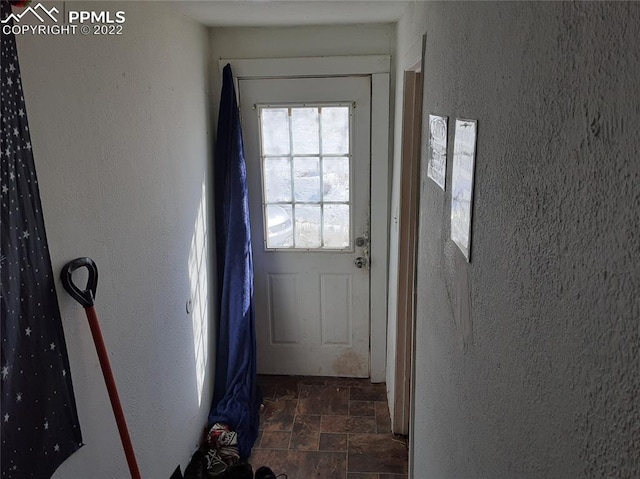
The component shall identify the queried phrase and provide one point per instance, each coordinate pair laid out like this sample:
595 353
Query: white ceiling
228 13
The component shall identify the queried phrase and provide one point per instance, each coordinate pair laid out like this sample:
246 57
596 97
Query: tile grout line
346 473
295 415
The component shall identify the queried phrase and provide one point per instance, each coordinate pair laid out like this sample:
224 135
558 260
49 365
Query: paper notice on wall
464 152
437 152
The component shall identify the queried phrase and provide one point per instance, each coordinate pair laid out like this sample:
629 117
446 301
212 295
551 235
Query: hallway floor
327 428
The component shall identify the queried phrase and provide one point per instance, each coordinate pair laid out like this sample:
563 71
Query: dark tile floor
327 428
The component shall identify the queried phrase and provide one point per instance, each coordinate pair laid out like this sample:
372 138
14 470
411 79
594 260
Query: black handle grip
84 297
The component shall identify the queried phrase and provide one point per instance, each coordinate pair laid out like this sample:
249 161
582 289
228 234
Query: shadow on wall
199 288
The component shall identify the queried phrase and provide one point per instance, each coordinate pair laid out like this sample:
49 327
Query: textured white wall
548 381
119 127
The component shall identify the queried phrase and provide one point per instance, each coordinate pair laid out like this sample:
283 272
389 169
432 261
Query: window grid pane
306 191
277 180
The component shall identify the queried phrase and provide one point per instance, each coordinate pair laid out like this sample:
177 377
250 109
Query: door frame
412 392
378 67
407 248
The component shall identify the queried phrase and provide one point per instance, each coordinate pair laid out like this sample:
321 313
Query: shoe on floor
216 467
197 467
263 472
239 471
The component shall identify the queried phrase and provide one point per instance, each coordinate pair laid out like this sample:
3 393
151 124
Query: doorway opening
322 256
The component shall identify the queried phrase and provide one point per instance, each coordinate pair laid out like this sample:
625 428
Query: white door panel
312 301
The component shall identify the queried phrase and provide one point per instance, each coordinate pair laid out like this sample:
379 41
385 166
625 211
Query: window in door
306 159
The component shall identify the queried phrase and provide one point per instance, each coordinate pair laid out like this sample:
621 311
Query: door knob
360 262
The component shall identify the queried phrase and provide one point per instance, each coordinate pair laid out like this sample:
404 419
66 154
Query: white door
307 148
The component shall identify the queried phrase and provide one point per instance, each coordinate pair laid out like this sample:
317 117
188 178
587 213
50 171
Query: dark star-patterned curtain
38 418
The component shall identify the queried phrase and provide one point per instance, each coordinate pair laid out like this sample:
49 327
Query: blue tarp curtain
235 396
38 417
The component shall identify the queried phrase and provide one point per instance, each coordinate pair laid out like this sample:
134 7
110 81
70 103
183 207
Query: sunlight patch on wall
199 282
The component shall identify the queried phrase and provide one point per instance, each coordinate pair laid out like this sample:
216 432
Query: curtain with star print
38 418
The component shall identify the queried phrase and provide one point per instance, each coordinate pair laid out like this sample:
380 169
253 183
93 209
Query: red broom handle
113 391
